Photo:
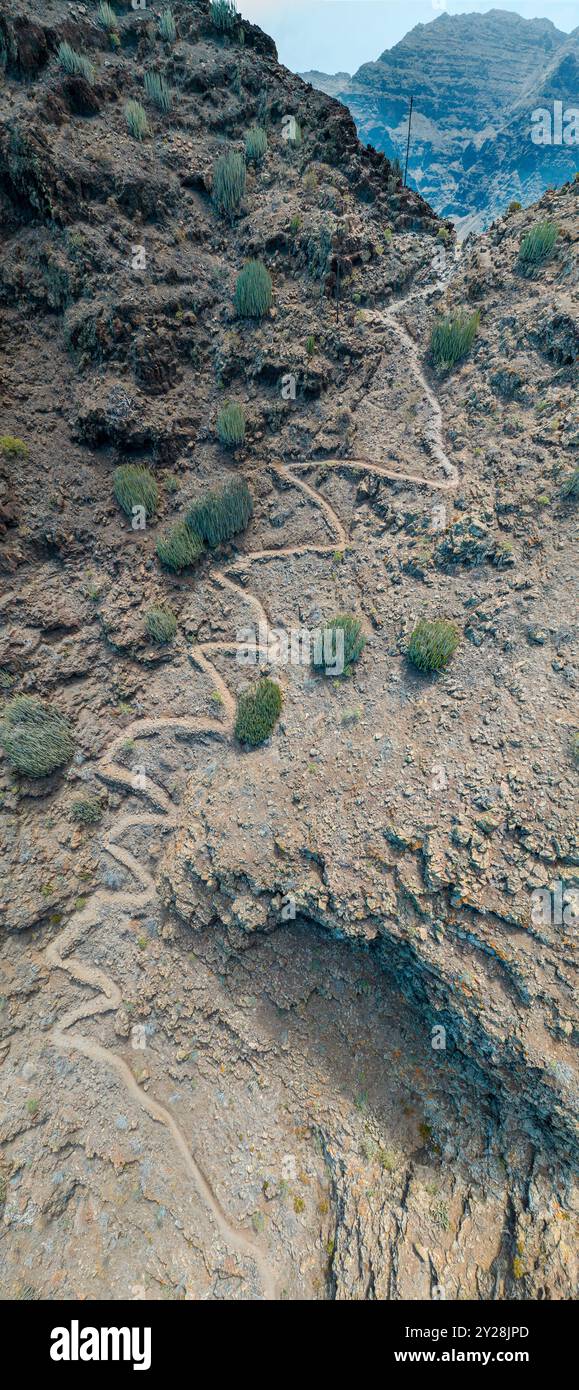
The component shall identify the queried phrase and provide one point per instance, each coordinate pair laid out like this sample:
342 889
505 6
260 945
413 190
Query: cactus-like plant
258 711
223 15
35 737
452 338
167 26
106 17
231 425
343 645
255 145
537 246
157 91
222 514
73 63
135 486
253 291
136 118
229 183
179 548
432 644
570 487
161 625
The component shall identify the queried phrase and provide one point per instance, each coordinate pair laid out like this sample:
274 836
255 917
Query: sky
339 35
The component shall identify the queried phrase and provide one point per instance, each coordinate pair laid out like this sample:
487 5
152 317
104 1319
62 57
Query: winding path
108 996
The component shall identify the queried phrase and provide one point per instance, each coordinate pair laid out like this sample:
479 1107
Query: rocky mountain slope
277 1021
476 80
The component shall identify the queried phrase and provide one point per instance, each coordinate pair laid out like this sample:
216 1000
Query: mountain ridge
470 76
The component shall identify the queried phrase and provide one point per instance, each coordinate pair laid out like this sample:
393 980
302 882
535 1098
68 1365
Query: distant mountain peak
475 79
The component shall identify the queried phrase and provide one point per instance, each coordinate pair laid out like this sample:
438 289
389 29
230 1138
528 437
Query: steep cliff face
536 147
476 80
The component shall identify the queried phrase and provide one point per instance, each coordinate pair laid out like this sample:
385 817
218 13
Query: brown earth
204 1096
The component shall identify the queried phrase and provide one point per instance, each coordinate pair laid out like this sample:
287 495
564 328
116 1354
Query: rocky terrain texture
476 80
202 1096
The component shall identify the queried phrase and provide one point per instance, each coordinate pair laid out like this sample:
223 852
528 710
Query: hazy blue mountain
476 80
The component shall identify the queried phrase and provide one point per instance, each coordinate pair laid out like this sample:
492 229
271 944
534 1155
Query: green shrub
106 17
253 291
354 643
136 118
157 91
258 712
87 812
179 548
75 64
515 206
229 183
452 338
537 246
231 425
167 26
570 486
223 15
295 223
310 345
161 625
13 448
432 644
134 486
255 145
36 738
221 514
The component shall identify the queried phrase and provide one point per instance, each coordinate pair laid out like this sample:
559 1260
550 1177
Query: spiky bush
106 17
223 15
87 811
537 246
157 91
258 711
13 448
231 425
221 514
167 26
179 548
452 338
354 643
135 486
35 737
136 118
432 644
570 487
255 145
161 625
229 183
73 63
253 291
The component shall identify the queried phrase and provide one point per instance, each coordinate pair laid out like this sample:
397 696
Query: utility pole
408 141
339 245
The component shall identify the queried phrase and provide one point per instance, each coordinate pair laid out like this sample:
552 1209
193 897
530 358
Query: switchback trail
108 996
